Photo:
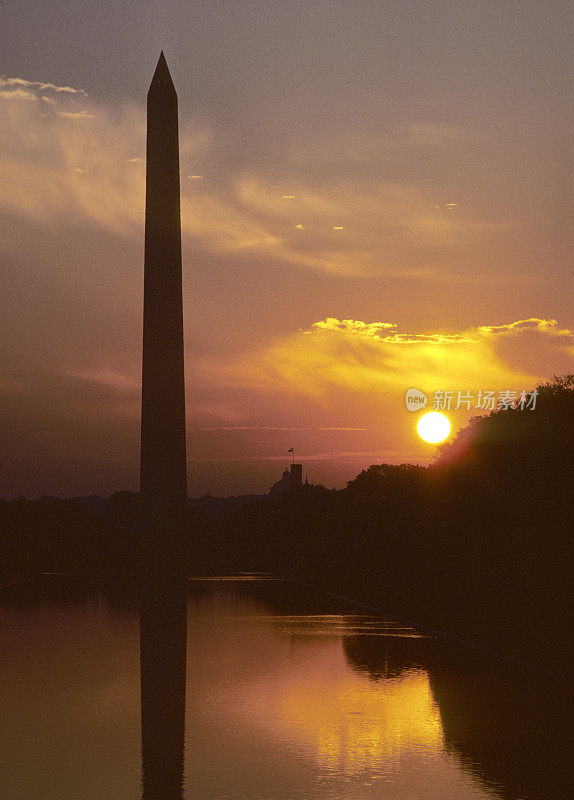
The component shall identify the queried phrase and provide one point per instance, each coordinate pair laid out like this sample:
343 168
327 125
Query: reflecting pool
250 688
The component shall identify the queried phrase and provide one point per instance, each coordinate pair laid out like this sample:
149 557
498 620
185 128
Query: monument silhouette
163 482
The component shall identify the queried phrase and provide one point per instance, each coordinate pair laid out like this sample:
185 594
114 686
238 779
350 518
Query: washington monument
163 482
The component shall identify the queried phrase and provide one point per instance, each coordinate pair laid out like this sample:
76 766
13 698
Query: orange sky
357 221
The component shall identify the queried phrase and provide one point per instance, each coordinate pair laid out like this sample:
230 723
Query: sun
433 427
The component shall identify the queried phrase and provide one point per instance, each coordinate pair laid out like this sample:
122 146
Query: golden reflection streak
349 725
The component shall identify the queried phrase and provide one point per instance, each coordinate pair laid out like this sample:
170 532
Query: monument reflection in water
163 644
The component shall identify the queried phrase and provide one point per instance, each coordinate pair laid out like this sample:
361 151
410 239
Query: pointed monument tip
161 76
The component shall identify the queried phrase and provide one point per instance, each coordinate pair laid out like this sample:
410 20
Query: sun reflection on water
353 726
316 705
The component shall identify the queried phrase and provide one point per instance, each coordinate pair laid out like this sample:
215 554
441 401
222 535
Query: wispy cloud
382 223
120 382
40 86
75 170
83 114
372 229
425 133
278 428
17 94
377 456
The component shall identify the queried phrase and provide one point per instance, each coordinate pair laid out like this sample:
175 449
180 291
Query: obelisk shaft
163 483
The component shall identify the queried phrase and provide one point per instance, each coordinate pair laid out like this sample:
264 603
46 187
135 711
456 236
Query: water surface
258 689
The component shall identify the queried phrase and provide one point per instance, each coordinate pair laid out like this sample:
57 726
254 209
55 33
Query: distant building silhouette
289 480
296 476
163 482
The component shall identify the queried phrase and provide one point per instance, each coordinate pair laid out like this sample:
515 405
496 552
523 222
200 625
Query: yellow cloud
373 359
531 324
351 326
